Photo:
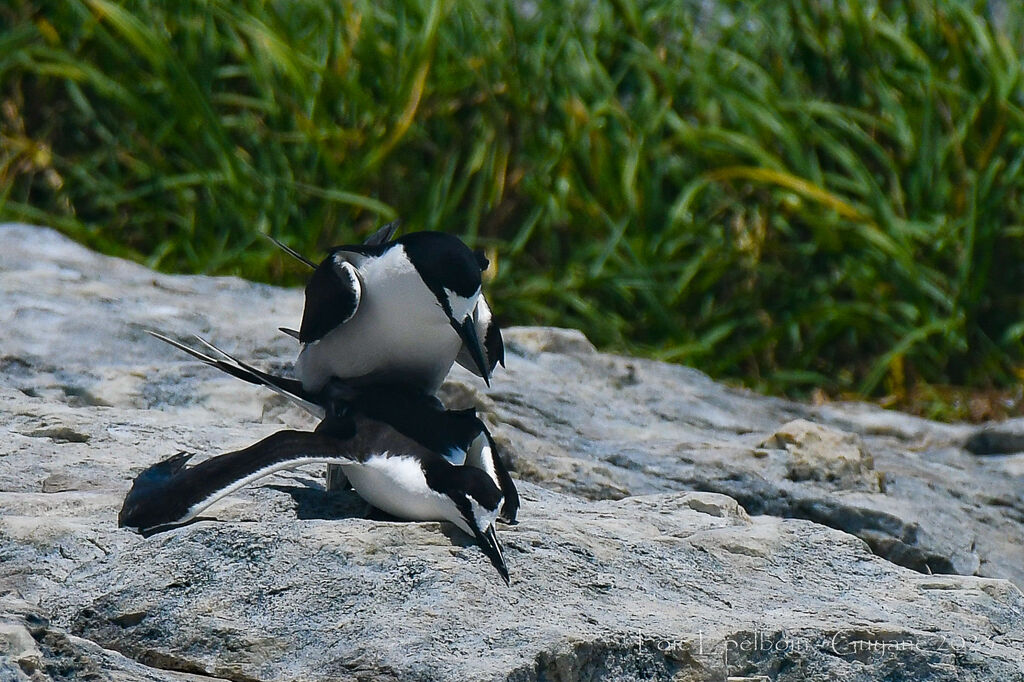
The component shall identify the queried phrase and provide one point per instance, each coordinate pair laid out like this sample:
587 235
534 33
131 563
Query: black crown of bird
382 325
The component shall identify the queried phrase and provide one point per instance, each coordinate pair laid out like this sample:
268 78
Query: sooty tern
461 437
396 310
391 471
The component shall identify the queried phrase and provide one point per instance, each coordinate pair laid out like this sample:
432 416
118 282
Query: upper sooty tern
391 471
401 310
475 447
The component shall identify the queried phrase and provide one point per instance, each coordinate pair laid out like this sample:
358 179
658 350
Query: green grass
793 197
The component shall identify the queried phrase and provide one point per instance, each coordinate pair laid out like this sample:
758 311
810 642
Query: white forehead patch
484 517
482 314
461 307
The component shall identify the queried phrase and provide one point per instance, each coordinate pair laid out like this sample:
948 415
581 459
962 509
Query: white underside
394 484
398 331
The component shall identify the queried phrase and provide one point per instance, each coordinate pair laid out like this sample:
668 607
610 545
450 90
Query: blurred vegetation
804 196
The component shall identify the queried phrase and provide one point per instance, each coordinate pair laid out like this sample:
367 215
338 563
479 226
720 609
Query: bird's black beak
488 542
467 331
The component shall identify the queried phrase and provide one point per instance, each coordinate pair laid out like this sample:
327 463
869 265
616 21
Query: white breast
397 486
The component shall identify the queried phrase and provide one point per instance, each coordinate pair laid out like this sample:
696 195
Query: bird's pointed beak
488 541
467 331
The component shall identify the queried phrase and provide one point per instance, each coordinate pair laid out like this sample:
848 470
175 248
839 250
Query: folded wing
332 298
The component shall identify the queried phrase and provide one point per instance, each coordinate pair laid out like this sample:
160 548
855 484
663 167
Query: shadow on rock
317 503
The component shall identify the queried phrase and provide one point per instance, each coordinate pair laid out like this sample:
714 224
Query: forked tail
289 388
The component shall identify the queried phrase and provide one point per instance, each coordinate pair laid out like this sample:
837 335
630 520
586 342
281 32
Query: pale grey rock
820 453
672 528
18 647
616 426
31 650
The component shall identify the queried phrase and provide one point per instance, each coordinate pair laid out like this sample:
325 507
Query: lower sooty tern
388 469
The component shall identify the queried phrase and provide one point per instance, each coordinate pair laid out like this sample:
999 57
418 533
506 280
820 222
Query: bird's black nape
444 262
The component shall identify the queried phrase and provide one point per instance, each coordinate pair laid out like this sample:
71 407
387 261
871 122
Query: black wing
332 298
170 493
290 251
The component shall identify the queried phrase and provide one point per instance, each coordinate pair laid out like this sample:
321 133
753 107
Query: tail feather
381 236
290 251
289 388
384 234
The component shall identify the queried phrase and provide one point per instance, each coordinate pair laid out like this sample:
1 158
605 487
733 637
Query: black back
417 416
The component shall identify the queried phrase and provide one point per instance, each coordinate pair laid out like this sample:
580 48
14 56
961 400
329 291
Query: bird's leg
337 423
336 478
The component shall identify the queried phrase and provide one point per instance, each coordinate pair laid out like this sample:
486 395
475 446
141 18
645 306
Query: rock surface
672 528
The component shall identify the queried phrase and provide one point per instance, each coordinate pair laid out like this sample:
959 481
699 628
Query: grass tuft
800 196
